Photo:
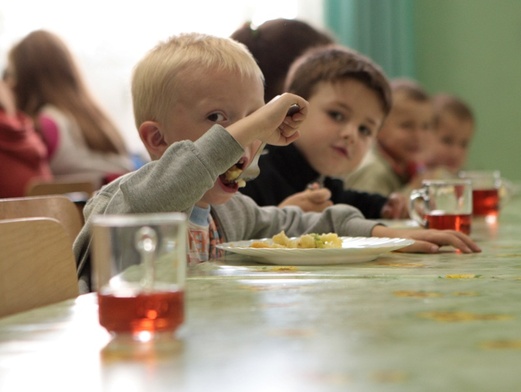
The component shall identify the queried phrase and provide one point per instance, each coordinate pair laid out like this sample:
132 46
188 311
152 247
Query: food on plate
311 240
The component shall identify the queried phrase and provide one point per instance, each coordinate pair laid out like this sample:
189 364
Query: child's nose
349 131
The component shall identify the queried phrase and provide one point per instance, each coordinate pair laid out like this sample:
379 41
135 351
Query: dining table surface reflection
402 322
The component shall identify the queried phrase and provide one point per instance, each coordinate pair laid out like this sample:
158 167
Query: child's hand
309 200
429 240
395 207
287 128
270 123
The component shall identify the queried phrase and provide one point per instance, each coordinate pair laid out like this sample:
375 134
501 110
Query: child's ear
153 138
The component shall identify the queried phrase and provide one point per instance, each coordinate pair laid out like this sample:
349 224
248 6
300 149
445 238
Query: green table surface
403 322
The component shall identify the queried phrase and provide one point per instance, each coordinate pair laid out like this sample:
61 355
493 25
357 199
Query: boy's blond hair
186 57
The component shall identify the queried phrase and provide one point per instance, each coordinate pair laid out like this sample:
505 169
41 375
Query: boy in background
199 109
349 97
395 161
275 45
454 127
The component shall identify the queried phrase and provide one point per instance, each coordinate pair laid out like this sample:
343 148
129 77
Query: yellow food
312 240
233 174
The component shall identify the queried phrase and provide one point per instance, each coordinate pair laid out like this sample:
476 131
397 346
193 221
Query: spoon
253 170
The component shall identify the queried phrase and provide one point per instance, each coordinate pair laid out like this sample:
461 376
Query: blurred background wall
471 48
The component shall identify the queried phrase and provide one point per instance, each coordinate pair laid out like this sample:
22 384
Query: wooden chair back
60 186
58 207
37 266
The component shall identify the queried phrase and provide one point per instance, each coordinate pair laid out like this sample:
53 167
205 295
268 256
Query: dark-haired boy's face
341 125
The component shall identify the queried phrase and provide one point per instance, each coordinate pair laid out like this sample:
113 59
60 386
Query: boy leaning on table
199 109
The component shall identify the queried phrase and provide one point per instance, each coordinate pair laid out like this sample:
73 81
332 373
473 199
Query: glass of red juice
139 263
485 192
443 205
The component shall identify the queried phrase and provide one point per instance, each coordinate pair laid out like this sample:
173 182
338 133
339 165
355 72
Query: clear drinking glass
443 204
485 192
139 263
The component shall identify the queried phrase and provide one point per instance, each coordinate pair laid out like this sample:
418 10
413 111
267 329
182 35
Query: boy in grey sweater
200 112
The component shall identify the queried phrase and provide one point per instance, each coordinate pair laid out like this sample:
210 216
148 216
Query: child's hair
45 73
412 89
334 63
449 103
275 44
7 102
186 57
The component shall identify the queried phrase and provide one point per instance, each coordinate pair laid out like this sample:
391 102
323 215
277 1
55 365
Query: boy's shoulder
375 175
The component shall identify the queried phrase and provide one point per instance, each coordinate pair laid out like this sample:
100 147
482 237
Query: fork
320 181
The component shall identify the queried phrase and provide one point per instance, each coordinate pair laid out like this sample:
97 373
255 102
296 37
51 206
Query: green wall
473 48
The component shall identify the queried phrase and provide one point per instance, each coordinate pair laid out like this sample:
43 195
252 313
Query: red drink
459 222
151 312
485 202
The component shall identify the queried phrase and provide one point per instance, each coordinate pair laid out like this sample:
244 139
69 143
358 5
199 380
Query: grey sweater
181 177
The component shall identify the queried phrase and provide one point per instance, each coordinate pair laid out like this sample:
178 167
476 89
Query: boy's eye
447 141
216 117
365 131
427 126
336 116
407 125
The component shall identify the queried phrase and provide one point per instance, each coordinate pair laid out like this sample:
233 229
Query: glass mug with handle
443 205
139 263
486 185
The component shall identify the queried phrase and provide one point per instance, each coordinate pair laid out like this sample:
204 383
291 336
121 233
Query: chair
58 207
77 189
37 266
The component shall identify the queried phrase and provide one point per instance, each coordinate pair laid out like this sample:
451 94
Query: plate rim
315 256
228 245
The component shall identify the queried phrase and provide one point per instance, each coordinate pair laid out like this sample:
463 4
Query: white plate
353 250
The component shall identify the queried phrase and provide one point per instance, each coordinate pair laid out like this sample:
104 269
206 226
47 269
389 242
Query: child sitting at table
394 163
199 109
23 156
453 129
349 97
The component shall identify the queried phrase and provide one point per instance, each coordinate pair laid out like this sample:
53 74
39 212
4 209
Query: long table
403 322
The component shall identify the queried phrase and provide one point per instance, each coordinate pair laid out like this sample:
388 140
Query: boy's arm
173 183
181 177
242 219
